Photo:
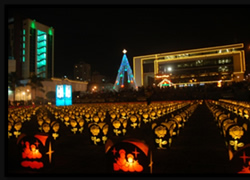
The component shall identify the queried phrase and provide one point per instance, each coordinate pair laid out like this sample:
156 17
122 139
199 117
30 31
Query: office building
31 44
82 71
188 67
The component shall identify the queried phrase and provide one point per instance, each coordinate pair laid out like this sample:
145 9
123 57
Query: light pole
23 97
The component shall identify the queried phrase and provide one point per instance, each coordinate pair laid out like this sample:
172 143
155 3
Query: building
31 44
196 66
25 93
11 65
82 72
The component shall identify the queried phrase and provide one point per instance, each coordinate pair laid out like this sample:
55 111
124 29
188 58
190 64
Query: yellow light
124 51
130 160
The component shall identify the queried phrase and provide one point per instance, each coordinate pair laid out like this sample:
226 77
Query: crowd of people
237 91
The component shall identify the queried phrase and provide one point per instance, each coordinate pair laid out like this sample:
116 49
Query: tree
13 82
36 83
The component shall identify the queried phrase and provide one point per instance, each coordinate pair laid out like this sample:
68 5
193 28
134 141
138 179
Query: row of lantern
234 132
16 118
120 117
240 108
164 131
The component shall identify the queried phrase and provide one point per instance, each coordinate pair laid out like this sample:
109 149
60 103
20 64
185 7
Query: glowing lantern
236 132
66 119
81 124
55 126
117 127
104 130
152 115
17 127
46 128
161 138
73 124
134 122
96 119
123 114
40 123
95 133
36 151
9 129
61 116
28 117
128 156
87 117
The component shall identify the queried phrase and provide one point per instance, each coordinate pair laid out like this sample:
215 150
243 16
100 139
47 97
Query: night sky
98 34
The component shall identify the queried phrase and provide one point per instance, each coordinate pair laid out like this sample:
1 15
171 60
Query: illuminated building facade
196 66
25 93
32 48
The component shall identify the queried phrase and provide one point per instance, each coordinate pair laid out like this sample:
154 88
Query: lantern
40 123
73 124
117 126
160 135
81 124
9 129
95 133
134 122
128 156
104 131
236 132
46 128
17 127
55 127
145 117
87 117
66 119
36 151
96 119
152 115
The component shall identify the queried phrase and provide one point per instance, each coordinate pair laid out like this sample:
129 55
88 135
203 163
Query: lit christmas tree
125 78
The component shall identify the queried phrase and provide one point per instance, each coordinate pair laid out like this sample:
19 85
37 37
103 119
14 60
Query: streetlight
23 96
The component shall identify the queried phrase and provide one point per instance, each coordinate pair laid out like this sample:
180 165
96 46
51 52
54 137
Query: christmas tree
125 78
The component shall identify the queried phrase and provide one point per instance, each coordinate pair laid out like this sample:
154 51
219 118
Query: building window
41 53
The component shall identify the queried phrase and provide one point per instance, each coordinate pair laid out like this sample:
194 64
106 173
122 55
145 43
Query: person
148 94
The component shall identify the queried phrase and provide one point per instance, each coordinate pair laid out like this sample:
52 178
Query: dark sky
98 34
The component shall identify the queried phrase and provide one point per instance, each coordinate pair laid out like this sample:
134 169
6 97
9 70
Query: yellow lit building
196 66
25 93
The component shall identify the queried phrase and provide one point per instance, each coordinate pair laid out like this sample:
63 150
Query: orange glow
32 164
122 85
31 152
122 164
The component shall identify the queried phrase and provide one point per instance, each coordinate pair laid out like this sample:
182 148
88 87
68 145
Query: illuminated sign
63 95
